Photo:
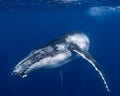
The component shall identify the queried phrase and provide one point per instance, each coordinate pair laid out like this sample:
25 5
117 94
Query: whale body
57 53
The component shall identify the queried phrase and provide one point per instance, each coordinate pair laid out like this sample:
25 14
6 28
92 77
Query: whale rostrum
57 53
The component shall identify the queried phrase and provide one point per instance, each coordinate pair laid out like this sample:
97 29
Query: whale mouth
19 74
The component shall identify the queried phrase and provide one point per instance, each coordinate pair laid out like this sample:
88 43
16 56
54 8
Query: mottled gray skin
59 50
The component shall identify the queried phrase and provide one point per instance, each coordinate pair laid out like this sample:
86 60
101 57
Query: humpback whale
57 53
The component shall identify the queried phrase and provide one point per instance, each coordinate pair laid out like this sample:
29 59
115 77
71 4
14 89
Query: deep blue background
21 32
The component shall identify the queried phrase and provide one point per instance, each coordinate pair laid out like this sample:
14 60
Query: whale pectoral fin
93 62
86 55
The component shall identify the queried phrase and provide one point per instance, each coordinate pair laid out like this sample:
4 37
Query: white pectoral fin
92 61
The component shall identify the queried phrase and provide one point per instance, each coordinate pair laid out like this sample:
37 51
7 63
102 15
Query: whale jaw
19 75
26 66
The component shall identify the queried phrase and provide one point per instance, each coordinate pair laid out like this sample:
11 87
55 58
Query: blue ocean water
24 27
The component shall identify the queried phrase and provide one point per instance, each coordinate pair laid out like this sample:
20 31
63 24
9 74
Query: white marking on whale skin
48 48
51 62
60 47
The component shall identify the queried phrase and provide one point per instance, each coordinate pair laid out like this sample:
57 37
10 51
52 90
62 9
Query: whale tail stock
87 56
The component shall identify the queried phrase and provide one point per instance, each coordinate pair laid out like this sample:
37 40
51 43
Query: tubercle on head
19 75
19 71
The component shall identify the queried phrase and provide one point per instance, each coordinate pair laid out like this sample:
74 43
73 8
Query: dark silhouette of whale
57 53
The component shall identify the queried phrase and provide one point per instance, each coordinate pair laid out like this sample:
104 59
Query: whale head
21 67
